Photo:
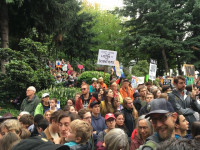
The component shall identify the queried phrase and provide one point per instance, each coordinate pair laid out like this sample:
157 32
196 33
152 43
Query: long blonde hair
134 112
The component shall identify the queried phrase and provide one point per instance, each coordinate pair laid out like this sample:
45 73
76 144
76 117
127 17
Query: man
85 115
143 92
102 84
181 126
93 85
31 101
184 102
163 118
84 99
148 85
125 90
144 110
51 132
43 106
98 122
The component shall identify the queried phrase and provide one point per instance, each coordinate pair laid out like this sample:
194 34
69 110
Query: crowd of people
108 117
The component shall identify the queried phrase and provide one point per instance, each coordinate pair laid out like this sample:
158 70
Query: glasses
83 89
142 127
161 118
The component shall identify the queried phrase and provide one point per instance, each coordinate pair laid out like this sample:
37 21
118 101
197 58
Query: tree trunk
165 61
180 72
4 31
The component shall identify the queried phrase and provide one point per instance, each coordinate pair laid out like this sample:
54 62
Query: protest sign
189 80
118 72
166 81
80 66
189 70
64 68
106 57
58 64
152 69
135 81
140 80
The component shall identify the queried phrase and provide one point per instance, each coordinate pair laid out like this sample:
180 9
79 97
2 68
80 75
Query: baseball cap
94 103
38 143
94 79
160 106
109 115
45 95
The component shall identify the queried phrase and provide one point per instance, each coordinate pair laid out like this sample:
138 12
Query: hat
109 115
38 143
94 79
58 75
160 106
94 103
45 95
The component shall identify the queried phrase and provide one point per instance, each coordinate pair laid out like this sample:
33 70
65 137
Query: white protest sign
140 80
152 71
64 68
106 57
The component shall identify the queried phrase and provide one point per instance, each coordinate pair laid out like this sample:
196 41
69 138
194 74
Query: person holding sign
184 102
125 90
102 84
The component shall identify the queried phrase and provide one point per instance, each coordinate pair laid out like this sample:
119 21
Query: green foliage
141 69
88 75
60 93
13 111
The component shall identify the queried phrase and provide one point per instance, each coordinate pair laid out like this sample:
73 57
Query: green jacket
30 105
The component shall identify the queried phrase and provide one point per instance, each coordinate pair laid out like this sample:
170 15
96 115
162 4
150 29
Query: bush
88 75
60 93
13 111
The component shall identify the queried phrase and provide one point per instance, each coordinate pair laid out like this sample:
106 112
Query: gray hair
149 124
32 88
116 139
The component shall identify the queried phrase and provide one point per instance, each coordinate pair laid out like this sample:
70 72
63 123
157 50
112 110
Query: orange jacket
124 93
103 85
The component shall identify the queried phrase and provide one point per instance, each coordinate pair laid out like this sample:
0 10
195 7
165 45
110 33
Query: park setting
134 59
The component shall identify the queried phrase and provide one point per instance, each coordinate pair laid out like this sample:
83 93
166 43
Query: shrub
60 93
88 75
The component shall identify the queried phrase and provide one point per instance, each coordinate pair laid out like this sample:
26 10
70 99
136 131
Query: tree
155 29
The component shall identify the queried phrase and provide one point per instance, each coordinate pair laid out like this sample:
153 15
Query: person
51 132
149 85
102 84
77 97
110 122
164 95
116 92
125 90
31 101
183 102
85 115
71 102
43 106
22 113
166 89
47 115
84 99
78 135
42 125
58 78
181 127
130 115
120 121
144 130
53 104
195 129
118 104
163 118
26 121
8 140
149 98
70 109
64 121
116 139
93 85
108 104
97 121
156 93
142 92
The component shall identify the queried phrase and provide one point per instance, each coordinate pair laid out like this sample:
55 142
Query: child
78 135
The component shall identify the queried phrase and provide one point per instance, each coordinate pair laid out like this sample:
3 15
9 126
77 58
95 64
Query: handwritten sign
152 71
106 57
118 72
64 68
58 64
189 70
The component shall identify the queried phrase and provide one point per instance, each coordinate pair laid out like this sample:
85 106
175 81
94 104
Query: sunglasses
83 89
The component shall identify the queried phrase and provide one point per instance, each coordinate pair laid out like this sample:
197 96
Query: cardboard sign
80 66
135 81
189 70
106 57
189 80
58 64
166 81
152 71
64 68
118 72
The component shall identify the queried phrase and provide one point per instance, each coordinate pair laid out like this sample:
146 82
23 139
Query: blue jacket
98 123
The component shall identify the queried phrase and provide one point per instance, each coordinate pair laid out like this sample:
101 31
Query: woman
108 105
110 123
47 115
120 121
157 93
130 115
144 130
116 139
116 92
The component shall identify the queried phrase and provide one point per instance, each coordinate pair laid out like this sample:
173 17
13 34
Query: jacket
98 123
135 143
80 101
39 109
184 105
124 93
129 121
104 110
30 105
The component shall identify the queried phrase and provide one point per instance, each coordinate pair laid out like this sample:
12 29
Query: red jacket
135 143
79 102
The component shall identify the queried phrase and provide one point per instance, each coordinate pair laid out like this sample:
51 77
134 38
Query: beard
165 132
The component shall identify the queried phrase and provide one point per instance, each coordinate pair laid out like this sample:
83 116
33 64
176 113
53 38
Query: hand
11 100
94 132
193 94
57 141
